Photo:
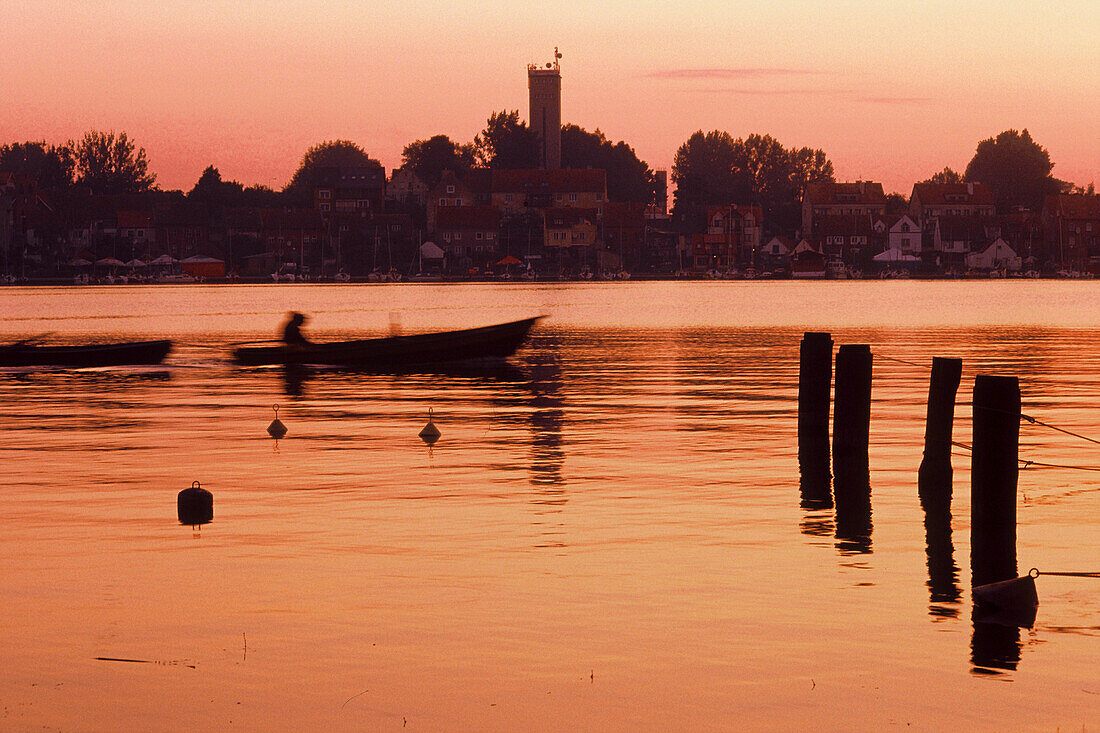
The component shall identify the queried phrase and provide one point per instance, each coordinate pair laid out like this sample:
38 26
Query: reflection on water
618 500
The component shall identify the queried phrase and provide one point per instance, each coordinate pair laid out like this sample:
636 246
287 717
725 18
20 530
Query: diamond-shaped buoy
430 433
276 429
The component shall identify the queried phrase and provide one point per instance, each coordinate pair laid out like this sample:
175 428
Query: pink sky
891 91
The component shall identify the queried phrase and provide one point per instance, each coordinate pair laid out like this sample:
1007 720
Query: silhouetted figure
292 331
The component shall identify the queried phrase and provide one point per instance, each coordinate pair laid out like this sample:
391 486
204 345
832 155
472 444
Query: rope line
902 361
1035 573
1030 419
1024 463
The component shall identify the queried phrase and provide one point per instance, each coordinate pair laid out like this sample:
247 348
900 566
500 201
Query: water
607 536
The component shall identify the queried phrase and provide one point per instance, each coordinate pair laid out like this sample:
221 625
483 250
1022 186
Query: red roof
1075 205
953 193
134 219
832 192
467 217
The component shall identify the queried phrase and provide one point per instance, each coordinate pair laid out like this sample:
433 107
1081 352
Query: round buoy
276 429
195 505
430 433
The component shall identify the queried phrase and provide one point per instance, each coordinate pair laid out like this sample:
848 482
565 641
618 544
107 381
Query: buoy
430 433
1014 600
276 429
195 505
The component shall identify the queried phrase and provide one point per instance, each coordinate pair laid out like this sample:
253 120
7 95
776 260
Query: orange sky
891 91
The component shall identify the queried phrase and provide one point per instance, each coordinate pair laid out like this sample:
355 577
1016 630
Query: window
599 197
324 194
325 207
508 198
489 235
442 202
557 197
458 236
479 235
450 189
446 236
572 197
363 203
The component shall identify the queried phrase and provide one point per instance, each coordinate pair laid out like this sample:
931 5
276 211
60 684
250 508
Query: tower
544 85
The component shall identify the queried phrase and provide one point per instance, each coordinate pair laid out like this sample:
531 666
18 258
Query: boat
28 353
487 342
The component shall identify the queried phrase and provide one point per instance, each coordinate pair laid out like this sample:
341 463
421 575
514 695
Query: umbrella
201 259
78 262
110 262
431 251
164 260
135 263
509 260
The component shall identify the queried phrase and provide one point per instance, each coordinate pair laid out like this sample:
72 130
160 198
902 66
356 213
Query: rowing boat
27 353
487 342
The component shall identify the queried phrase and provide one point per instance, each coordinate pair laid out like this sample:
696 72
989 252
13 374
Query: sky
891 91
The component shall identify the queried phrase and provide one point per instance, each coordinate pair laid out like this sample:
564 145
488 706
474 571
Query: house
933 200
349 188
513 191
846 237
406 187
735 232
830 198
567 227
452 191
905 236
293 235
996 256
624 228
952 238
776 254
1072 224
807 261
468 234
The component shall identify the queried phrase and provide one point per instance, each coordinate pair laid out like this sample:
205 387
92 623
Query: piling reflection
943 573
547 420
995 648
853 511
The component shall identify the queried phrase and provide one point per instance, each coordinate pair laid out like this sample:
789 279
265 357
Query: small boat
488 342
28 353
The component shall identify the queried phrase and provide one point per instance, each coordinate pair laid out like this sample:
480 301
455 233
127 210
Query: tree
715 169
945 176
1016 168
110 164
429 158
507 143
706 173
628 178
896 204
327 154
51 166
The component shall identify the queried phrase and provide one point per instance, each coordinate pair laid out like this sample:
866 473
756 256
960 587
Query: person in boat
292 331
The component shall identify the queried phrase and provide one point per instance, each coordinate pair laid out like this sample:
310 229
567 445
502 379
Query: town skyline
207 83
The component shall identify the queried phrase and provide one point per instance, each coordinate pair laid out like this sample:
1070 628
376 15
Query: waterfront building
1072 223
831 198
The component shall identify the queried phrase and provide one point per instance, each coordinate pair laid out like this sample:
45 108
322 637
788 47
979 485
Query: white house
994 257
905 236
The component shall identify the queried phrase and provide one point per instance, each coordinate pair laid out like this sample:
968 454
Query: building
515 191
468 234
544 87
1072 224
829 198
565 227
734 234
407 187
932 200
350 188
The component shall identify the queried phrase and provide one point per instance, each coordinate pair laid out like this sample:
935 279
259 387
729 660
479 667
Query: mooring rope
1035 573
1025 463
902 361
1030 419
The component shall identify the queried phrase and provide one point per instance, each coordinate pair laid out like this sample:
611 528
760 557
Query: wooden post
815 373
994 476
851 435
934 475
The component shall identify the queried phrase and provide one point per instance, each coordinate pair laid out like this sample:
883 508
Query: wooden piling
815 373
935 473
852 411
994 478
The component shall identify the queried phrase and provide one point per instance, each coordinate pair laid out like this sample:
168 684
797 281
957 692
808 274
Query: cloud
777 92
759 73
896 100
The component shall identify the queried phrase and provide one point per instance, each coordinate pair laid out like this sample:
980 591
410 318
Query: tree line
710 168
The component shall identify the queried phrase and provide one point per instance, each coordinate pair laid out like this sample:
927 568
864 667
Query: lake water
608 535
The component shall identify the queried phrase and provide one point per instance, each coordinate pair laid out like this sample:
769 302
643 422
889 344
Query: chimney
861 188
970 188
